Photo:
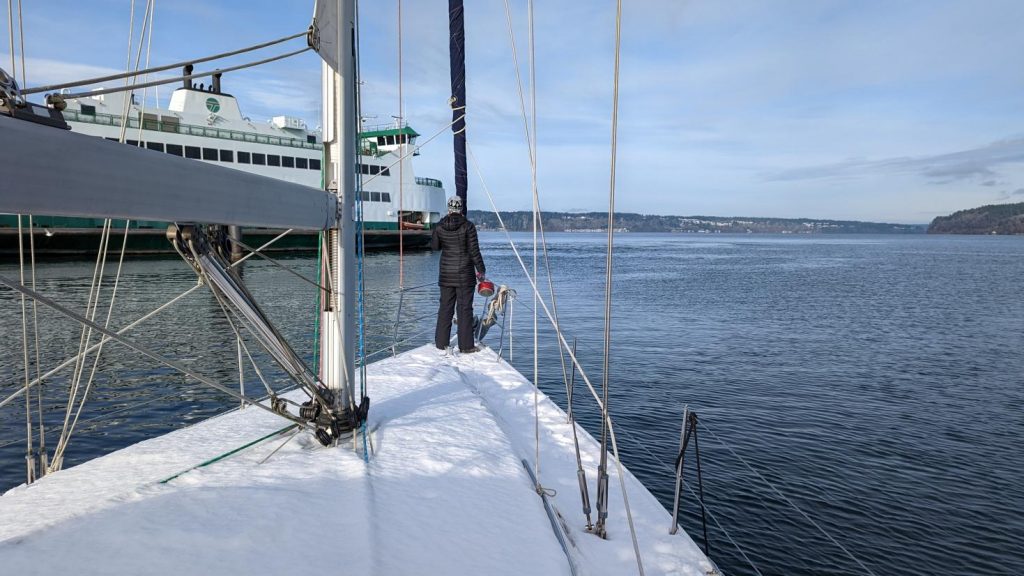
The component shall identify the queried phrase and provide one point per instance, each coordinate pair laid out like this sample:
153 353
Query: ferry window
310 139
132 142
175 149
381 141
385 196
227 156
259 159
301 163
391 140
273 160
193 152
158 146
374 170
243 157
385 172
287 161
374 196
88 110
366 196
314 163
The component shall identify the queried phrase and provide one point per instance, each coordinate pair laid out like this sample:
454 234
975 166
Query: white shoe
442 352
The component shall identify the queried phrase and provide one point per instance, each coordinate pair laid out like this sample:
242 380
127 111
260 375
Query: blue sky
886 111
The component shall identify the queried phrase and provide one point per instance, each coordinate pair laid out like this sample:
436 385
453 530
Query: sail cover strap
457 55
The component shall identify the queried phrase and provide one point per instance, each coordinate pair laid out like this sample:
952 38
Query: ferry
206 124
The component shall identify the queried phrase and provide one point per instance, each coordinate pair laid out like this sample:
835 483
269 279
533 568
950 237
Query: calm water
874 380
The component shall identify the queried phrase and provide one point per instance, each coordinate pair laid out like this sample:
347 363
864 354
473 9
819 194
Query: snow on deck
445 492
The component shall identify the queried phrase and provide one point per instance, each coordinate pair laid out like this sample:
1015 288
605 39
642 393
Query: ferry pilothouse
206 124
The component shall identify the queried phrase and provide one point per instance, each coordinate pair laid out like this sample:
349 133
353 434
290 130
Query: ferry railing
429 182
190 129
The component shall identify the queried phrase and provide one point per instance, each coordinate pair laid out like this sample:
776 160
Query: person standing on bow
461 267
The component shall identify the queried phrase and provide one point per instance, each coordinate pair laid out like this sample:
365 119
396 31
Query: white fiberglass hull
444 492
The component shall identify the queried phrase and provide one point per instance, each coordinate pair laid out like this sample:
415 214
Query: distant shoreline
522 221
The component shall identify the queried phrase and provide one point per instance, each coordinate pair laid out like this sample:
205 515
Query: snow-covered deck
445 492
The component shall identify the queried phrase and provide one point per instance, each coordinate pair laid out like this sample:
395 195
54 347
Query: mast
337 339
457 55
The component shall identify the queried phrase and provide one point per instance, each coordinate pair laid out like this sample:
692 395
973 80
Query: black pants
455 298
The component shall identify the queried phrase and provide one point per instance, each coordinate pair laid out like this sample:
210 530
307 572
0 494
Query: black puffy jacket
455 237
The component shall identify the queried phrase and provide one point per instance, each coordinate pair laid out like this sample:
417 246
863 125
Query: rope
231 452
69 425
193 75
62 446
35 332
120 76
787 500
86 337
29 463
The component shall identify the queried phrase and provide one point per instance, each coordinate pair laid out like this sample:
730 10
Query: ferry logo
212 105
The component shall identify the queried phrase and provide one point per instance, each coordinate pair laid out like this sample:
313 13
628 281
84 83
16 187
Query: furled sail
457 55
324 33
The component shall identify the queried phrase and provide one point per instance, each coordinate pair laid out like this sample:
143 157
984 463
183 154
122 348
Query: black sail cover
457 54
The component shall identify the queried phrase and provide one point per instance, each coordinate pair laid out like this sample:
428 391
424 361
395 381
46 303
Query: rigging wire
628 436
531 148
606 421
277 263
119 76
781 495
401 166
360 248
21 35
10 34
144 350
606 416
149 51
74 359
193 75
532 137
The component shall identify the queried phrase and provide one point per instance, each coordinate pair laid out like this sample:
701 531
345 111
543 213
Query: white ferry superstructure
206 124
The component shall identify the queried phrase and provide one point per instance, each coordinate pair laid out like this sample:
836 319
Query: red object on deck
485 288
